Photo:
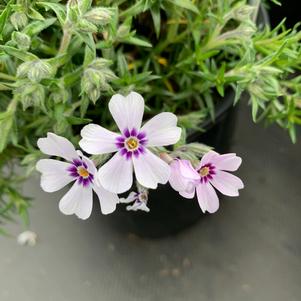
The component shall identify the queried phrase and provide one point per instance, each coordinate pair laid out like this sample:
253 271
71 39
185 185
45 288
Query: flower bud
123 31
96 77
72 11
59 95
31 95
86 26
99 16
35 70
22 40
18 20
243 12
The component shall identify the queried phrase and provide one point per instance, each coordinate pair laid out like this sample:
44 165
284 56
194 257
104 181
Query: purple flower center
131 142
79 170
206 172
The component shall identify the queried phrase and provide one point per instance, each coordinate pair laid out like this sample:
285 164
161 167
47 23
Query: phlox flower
139 200
211 172
131 144
78 169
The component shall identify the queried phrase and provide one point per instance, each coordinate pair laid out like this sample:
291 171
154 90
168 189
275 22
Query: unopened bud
243 12
72 11
22 40
123 31
35 70
86 26
59 95
99 15
18 20
31 95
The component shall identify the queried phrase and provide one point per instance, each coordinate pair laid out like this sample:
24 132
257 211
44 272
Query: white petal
208 158
151 170
162 130
97 140
188 195
207 198
107 200
91 166
117 174
127 111
131 198
54 174
55 145
138 206
78 200
229 162
227 183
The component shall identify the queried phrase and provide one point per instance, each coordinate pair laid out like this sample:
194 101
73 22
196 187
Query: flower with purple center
211 172
131 142
78 169
131 145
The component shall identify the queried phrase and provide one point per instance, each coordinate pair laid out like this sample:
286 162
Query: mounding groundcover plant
85 73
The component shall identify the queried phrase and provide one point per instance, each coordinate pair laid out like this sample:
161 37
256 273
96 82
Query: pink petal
207 198
188 171
78 200
150 170
55 145
107 200
162 130
229 162
97 140
227 183
188 195
117 174
127 111
54 174
182 176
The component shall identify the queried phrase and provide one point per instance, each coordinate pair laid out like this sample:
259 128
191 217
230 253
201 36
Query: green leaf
20 54
185 4
34 14
137 41
59 10
87 39
78 120
4 16
254 108
156 15
292 133
36 27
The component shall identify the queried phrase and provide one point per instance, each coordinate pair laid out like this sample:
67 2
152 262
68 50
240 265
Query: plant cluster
61 61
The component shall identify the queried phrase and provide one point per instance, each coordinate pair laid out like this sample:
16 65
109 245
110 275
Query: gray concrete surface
250 250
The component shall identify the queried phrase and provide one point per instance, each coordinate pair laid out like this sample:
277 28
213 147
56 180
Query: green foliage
60 62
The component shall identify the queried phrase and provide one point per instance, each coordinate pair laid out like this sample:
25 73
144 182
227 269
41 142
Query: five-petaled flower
131 145
78 169
211 172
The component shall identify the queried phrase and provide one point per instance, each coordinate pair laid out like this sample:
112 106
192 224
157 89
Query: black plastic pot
169 212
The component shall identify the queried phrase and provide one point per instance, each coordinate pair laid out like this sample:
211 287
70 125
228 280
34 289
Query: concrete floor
249 250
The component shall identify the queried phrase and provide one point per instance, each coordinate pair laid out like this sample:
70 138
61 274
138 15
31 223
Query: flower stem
67 34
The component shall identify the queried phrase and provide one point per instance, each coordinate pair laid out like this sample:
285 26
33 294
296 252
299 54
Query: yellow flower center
204 171
132 143
83 172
